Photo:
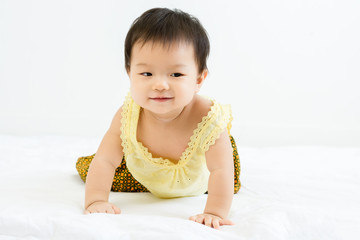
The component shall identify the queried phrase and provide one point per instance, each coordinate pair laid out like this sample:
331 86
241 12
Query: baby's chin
162 113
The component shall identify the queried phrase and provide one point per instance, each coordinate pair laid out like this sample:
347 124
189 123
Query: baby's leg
123 180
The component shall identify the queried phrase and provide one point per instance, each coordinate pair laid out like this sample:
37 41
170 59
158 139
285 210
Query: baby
165 138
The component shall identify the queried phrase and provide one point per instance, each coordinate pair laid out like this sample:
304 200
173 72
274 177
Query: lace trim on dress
192 144
130 116
224 122
125 121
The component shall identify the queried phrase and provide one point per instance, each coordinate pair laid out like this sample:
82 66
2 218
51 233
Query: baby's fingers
116 209
212 222
89 211
208 221
198 218
112 209
216 224
109 210
102 207
226 222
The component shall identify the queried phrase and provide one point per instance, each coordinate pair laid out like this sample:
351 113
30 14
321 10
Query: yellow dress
163 178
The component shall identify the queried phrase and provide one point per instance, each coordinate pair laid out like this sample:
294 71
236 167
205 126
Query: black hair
167 26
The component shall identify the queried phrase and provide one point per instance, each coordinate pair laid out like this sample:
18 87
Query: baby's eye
176 75
146 74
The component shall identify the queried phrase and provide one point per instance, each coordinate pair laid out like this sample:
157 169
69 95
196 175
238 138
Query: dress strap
129 115
211 129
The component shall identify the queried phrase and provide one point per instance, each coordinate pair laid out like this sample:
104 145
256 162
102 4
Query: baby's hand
102 207
210 220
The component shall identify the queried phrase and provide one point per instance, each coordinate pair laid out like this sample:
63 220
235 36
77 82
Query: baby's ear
201 78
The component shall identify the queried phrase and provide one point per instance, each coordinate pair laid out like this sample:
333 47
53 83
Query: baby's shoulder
202 106
116 122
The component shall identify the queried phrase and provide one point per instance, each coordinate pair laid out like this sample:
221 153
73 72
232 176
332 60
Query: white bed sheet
300 192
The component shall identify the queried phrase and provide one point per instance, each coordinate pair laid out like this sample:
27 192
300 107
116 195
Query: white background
290 69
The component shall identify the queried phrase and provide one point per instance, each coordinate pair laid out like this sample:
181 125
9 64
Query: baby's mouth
161 99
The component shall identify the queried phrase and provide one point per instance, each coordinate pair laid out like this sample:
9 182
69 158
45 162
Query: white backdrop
289 68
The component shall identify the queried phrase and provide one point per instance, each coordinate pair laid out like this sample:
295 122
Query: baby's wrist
98 201
214 214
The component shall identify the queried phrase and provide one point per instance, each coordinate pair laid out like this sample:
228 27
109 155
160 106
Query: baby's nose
161 84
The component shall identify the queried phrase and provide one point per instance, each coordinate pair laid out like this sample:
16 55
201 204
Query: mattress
292 192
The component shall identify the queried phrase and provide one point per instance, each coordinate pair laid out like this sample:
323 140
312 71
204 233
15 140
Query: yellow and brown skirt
124 182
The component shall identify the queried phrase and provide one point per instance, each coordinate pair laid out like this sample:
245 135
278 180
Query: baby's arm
220 163
102 169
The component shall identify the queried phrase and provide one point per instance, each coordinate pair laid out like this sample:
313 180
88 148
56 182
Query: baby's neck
162 119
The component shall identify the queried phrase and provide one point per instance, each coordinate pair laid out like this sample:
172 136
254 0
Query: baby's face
164 79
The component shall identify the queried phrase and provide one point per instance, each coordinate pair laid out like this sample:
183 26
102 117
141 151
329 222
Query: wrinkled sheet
299 192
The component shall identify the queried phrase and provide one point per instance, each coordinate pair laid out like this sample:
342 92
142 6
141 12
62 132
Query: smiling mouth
161 99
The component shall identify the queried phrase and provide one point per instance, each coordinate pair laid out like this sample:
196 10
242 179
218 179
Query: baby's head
165 26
